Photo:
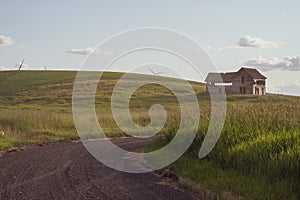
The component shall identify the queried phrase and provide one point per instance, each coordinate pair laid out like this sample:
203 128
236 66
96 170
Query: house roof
220 77
253 73
227 77
213 76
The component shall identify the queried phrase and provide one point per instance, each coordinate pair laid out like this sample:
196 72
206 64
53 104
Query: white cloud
288 88
2 68
5 40
248 41
24 65
273 63
223 48
88 51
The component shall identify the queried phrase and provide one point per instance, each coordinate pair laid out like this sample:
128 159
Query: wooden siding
239 86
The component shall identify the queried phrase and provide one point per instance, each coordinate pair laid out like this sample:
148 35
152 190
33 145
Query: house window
242 90
242 79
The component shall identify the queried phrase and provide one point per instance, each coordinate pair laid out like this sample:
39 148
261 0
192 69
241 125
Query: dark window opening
260 82
242 90
243 80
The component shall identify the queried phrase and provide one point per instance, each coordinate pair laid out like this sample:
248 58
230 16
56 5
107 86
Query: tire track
66 170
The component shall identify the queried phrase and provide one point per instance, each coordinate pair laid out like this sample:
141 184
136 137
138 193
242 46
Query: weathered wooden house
244 81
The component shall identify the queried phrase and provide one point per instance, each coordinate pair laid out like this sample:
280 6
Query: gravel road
66 170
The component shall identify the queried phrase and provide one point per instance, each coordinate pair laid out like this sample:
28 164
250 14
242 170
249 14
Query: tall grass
257 155
259 147
30 126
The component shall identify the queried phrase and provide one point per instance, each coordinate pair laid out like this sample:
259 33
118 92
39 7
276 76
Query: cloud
273 63
5 40
88 51
248 41
24 65
2 68
288 88
223 48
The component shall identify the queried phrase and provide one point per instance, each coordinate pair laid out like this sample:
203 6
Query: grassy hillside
35 106
256 157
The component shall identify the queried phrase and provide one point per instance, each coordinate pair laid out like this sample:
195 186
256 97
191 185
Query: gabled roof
253 73
212 76
227 77
215 77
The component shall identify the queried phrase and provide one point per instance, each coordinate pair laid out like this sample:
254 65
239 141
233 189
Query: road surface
66 170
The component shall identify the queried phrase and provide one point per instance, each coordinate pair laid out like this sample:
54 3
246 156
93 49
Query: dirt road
65 170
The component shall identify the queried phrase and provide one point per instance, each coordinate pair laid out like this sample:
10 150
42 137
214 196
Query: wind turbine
21 64
45 68
154 73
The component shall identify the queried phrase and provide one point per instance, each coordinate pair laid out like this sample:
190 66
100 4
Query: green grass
36 106
256 157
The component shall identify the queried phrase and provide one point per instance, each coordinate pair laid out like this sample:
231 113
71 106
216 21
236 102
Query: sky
59 34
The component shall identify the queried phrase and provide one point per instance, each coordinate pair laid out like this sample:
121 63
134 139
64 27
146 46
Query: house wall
215 89
237 83
248 85
228 89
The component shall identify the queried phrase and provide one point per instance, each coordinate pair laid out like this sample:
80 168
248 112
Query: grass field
256 157
36 106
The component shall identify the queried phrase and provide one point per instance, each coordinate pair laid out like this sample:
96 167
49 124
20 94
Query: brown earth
66 170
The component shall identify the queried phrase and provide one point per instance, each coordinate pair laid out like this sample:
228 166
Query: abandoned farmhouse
244 81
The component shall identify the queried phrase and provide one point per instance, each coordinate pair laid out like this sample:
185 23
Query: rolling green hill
256 157
36 105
